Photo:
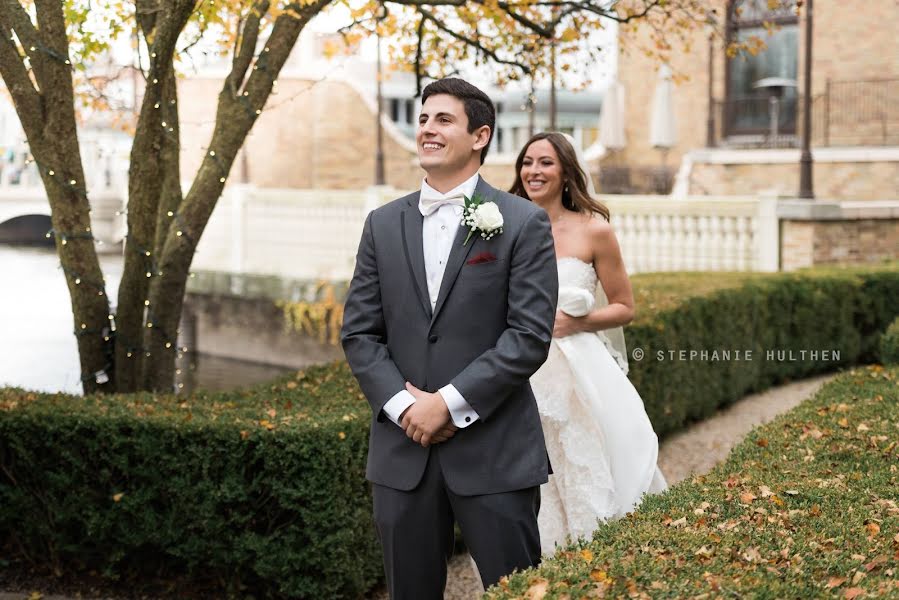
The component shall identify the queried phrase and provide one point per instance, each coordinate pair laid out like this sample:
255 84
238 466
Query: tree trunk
153 191
240 102
44 102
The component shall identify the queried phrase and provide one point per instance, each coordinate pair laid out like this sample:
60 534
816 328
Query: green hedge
262 491
842 311
889 344
805 507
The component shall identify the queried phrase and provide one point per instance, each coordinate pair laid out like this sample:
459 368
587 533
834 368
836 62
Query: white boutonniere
482 217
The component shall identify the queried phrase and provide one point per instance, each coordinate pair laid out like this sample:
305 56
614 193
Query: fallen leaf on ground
599 575
835 582
537 590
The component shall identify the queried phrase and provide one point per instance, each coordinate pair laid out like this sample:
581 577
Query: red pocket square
483 257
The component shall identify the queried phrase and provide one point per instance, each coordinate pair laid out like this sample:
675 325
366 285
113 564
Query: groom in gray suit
443 336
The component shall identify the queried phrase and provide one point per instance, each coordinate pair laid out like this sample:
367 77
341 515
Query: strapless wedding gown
601 444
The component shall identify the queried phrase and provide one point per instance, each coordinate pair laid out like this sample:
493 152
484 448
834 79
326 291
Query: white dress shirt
438 233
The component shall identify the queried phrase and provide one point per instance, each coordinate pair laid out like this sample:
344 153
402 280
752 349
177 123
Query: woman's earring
566 188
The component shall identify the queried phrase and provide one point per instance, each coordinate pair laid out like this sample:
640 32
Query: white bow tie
429 205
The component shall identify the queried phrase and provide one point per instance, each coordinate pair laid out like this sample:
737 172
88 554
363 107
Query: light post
806 188
710 119
379 152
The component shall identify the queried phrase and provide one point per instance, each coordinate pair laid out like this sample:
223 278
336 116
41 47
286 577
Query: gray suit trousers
416 532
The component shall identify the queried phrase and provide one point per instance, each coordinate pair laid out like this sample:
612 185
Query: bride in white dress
601 444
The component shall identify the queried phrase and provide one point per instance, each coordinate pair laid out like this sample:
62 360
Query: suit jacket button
433 339
468 419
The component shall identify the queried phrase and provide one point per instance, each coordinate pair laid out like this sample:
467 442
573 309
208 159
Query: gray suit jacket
488 333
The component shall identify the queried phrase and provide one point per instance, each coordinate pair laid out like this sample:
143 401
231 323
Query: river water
38 350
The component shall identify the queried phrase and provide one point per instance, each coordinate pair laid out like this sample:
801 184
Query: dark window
410 114
394 110
762 89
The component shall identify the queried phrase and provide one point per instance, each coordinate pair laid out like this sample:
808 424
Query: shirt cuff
461 411
397 404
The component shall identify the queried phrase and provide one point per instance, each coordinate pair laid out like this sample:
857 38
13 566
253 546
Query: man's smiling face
444 143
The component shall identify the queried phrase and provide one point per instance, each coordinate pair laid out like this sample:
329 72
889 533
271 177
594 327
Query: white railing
313 234
298 234
658 233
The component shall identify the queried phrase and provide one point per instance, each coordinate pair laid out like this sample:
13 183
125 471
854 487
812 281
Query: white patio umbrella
663 125
611 122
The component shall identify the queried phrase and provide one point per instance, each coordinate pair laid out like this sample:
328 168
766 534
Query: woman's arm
610 269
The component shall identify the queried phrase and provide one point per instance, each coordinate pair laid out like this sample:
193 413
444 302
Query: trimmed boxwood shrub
258 491
262 491
889 344
805 507
839 310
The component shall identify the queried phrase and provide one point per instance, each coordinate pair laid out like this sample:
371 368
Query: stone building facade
855 92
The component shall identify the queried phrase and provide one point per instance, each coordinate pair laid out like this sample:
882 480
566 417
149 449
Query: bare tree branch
24 95
245 47
473 43
420 36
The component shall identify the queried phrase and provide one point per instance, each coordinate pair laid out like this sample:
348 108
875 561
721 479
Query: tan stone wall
850 43
843 181
309 136
638 74
796 244
807 243
863 241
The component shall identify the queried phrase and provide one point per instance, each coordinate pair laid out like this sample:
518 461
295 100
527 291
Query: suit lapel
458 252
413 246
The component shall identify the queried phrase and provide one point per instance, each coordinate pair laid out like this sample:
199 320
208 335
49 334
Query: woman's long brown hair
576 198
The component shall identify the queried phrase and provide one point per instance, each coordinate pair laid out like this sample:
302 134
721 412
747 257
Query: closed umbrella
611 122
663 125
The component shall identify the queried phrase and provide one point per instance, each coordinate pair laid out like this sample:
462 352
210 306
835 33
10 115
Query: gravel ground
693 451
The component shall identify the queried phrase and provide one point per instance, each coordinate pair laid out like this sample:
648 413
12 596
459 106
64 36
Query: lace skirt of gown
601 444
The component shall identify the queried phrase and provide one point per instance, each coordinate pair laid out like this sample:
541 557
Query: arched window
752 81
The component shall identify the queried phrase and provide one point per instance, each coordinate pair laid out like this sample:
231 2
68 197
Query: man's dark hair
478 107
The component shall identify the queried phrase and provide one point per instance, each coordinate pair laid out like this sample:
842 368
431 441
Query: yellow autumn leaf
341 435
587 554
600 576
117 497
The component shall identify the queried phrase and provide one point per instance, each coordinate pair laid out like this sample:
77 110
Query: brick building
739 120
